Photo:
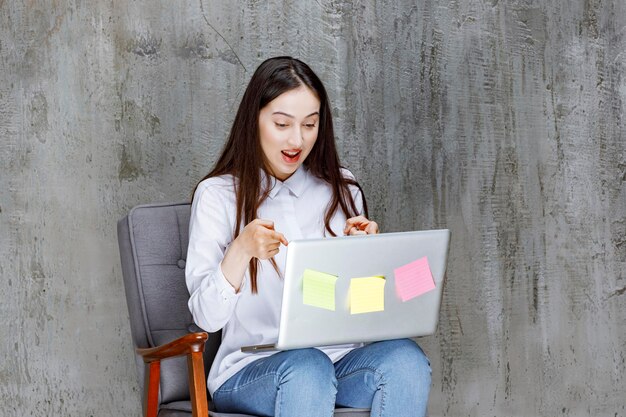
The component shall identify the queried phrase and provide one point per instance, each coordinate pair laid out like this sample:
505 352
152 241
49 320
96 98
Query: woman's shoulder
347 174
353 187
220 185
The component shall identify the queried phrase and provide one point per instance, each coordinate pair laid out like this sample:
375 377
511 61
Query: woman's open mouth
291 157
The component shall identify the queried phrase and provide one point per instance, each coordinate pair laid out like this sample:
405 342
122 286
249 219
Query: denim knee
308 366
404 362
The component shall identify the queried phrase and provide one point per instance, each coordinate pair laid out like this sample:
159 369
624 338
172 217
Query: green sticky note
318 289
367 294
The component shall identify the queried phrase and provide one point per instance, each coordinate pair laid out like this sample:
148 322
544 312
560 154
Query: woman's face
288 127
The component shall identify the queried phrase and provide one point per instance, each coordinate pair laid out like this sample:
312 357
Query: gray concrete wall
502 120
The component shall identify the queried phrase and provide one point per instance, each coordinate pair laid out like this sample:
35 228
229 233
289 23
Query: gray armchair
172 354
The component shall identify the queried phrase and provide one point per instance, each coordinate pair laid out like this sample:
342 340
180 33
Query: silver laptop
303 325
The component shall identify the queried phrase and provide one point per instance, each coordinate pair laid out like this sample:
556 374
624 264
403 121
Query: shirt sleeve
212 298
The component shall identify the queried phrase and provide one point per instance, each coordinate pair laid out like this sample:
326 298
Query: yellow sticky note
367 294
318 289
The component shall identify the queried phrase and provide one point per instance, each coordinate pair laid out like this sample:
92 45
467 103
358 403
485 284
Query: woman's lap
390 377
286 383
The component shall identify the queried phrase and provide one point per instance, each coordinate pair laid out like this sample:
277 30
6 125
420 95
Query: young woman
279 179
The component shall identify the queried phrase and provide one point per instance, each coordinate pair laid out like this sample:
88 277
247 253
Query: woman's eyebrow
293 117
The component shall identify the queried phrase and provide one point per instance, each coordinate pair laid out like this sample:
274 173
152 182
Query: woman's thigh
298 382
391 377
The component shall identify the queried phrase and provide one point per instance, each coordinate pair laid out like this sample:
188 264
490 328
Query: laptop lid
348 257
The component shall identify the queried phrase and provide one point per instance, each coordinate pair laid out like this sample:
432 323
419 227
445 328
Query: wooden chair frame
190 345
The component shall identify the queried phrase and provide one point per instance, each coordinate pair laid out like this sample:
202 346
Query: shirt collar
295 183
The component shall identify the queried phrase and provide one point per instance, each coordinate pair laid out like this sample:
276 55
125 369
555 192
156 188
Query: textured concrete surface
502 120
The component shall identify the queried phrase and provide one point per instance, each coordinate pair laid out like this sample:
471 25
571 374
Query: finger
268 250
349 223
280 237
351 231
273 252
273 246
372 228
353 221
354 231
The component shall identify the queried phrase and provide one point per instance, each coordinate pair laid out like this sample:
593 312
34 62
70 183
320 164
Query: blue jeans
390 377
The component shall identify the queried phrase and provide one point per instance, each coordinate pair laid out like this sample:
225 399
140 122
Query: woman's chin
285 172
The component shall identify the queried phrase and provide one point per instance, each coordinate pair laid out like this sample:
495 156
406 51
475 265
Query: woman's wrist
240 252
235 263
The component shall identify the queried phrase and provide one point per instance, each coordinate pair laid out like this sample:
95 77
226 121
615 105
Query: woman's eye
310 125
280 124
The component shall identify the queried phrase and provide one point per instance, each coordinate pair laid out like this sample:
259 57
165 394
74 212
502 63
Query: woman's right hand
259 239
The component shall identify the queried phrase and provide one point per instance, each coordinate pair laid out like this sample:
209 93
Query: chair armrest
190 345
192 342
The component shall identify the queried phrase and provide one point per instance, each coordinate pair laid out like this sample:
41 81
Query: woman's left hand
360 225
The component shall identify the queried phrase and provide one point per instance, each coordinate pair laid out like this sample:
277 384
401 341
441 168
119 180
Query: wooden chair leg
197 385
151 386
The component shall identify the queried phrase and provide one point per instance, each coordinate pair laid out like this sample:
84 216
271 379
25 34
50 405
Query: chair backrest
153 243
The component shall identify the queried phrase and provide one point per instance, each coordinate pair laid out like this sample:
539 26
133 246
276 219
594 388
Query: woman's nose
295 138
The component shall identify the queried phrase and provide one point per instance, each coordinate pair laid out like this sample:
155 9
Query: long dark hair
272 78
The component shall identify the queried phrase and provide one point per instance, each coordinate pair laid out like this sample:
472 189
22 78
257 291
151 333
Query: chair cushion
175 409
352 412
183 409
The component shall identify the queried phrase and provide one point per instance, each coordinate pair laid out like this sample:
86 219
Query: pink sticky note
414 279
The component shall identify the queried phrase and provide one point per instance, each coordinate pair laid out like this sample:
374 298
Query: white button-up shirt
297 207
